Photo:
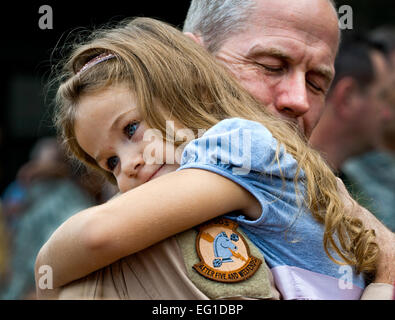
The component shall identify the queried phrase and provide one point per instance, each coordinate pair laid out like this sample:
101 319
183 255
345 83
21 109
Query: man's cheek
261 91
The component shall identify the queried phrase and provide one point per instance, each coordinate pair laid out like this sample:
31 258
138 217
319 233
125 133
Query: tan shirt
162 272
159 273
156 273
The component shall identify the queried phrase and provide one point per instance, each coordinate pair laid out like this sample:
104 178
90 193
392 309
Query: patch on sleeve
223 252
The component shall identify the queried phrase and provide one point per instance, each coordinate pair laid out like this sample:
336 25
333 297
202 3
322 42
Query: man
284 61
283 52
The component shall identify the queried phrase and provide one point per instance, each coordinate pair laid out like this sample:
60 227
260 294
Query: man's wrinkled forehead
328 5
314 18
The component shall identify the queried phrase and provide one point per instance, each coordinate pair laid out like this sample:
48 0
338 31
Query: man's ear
194 37
344 98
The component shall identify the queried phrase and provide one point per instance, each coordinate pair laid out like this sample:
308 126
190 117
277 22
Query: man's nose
292 97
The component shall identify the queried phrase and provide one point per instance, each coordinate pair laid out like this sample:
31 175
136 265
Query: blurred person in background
388 138
3 238
3 248
351 128
13 199
384 37
53 191
374 171
2 243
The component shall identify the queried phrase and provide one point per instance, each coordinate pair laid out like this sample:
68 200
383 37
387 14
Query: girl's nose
130 166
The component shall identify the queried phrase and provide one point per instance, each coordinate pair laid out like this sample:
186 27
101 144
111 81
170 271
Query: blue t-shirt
290 239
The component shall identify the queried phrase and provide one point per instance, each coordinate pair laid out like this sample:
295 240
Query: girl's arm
139 218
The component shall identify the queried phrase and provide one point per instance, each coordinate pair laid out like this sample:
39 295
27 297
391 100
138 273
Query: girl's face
109 128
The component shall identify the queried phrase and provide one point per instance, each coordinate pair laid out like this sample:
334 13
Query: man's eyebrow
258 50
324 72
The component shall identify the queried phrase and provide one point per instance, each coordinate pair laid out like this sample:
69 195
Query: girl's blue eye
112 163
130 129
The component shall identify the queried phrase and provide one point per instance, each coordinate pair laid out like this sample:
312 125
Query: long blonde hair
159 62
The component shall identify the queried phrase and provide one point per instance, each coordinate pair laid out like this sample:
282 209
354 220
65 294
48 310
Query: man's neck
331 152
336 146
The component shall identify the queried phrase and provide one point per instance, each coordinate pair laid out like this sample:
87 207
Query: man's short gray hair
217 20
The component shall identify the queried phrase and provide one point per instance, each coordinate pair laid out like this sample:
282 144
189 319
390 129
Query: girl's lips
154 174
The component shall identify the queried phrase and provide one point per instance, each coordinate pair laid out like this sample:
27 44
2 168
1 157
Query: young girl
131 101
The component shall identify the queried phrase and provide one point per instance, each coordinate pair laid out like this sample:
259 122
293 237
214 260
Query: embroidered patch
224 254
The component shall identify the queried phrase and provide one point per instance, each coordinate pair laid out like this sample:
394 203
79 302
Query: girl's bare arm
137 219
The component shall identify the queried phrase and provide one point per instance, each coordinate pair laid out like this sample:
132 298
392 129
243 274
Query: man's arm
384 237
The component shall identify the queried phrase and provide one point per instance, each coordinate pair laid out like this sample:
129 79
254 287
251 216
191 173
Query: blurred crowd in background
356 135
47 190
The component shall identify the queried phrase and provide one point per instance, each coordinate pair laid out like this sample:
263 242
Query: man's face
285 57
